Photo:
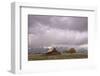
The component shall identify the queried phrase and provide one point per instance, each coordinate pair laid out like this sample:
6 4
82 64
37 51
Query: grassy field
32 57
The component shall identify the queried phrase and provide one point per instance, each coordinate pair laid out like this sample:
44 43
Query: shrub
71 50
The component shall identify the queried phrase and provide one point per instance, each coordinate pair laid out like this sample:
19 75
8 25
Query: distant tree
72 50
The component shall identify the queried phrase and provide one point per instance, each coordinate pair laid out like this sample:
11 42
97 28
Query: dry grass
52 57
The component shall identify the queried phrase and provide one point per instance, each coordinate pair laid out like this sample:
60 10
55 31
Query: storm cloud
57 30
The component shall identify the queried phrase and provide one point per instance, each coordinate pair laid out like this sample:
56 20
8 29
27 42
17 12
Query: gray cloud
57 30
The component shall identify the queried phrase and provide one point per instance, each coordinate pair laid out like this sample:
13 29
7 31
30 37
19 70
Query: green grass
52 57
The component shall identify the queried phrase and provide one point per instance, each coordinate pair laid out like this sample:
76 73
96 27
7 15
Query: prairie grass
32 57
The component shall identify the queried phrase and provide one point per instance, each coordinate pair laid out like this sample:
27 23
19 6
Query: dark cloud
72 23
57 30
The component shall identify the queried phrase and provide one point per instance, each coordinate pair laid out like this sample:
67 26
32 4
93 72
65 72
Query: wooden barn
52 51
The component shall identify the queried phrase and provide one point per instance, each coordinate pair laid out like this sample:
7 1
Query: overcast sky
57 30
